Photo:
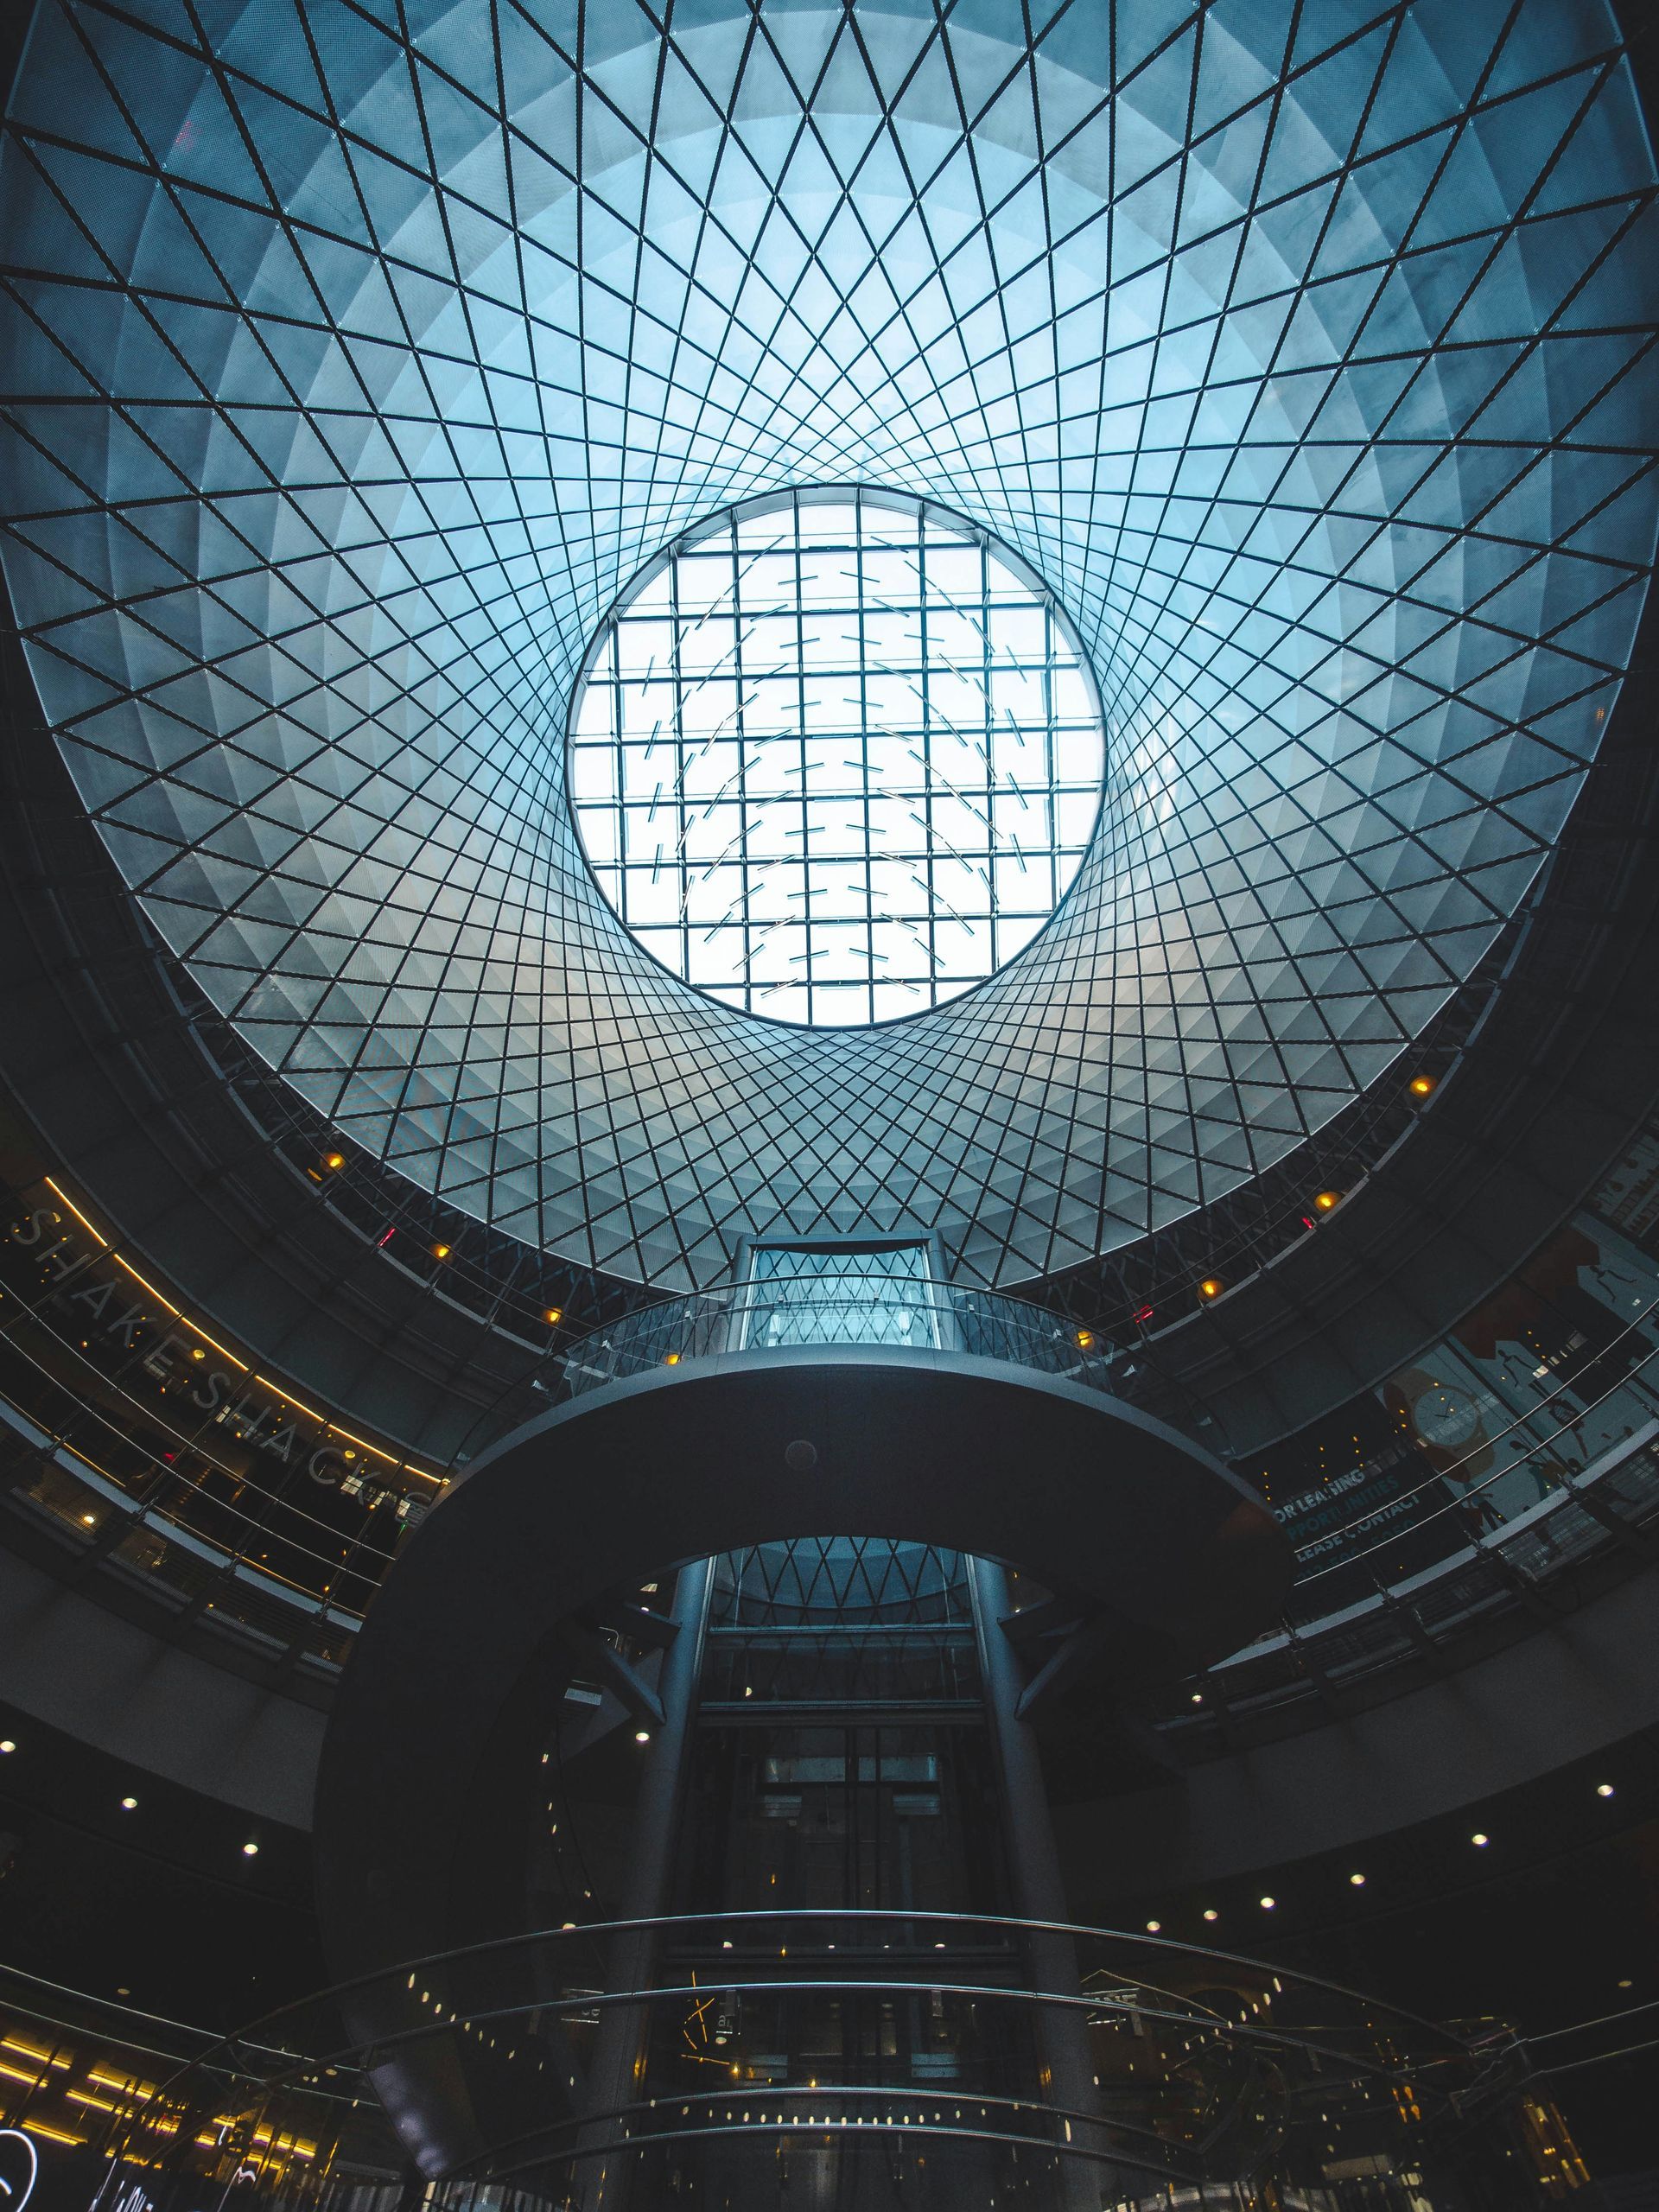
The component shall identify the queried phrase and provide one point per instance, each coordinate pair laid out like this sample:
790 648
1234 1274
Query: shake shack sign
77 1288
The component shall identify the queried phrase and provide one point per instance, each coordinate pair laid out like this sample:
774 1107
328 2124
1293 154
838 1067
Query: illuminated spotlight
196 1352
1420 1086
1198 1697
672 1360
440 1251
1154 1927
7 1745
128 1804
1210 1913
642 1735
1604 1790
1211 1287
1267 1903
554 1315
1479 1841
1326 1200
1085 1337
89 1520
334 1159
250 1851
1625 1985
1358 1881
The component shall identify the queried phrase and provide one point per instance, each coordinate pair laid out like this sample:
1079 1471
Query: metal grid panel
834 761
359 359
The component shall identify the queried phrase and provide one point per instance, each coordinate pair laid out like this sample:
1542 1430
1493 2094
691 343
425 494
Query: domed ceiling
360 357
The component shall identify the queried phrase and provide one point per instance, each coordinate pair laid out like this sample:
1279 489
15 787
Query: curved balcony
1593 1489
828 1305
701 2053
1571 1484
112 1466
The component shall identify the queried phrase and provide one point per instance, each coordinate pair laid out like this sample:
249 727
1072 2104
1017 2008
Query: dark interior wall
78 1667
159 1900
1588 1679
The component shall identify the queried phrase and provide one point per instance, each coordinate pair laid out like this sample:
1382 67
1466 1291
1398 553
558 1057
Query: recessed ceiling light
1479 1841
250 1851
1267 1903
128 1804
6 1744
1211 1913
1154 1927
1358 1881
1604 1790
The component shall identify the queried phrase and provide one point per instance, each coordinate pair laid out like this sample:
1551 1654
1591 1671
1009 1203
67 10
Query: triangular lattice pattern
359 355
838 1579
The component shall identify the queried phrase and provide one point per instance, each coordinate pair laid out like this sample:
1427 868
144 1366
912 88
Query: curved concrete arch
446 1699
431 1773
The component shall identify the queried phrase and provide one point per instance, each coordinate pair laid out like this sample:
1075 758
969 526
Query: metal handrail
409 1970
1243 2043
922 1316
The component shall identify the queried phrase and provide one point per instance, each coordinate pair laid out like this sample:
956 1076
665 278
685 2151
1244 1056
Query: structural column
602 2181
1086 2183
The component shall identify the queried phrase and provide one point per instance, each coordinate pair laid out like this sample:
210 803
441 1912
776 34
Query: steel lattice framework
359 355
834 760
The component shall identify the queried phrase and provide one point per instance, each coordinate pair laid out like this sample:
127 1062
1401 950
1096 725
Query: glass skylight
835 760
358 358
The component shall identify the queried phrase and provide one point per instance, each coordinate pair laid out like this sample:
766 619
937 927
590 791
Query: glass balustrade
697 2054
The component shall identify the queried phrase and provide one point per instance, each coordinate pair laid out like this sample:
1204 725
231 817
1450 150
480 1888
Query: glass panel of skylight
835 757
